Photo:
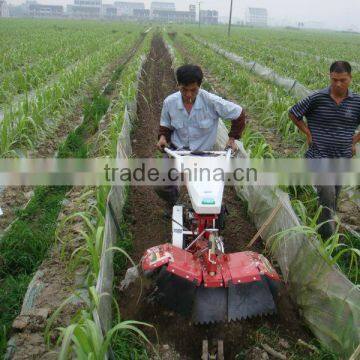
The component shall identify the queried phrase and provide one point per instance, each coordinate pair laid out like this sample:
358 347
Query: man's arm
302 126
298 111
237 128
230 111
356 139
164 134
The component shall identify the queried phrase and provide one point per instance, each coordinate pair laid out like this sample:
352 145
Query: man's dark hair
189 74
340 67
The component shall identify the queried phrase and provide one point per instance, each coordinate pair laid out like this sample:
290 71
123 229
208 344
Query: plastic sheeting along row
329 302
115 203
293 86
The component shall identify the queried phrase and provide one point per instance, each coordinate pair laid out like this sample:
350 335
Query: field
65 89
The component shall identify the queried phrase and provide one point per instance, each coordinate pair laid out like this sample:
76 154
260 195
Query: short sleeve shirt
198 129
332 126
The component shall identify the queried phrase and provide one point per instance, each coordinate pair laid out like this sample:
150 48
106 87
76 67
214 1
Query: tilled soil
149 228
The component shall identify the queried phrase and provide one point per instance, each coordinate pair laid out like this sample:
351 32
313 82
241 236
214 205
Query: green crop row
29 120
84 338
312 74
323 44
76 46
27 42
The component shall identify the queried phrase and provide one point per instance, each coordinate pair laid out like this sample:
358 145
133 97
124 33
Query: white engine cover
204 188
206 197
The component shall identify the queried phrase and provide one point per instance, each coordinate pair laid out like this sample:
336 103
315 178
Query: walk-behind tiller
193 274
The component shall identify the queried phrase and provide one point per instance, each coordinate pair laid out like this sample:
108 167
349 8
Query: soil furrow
148 228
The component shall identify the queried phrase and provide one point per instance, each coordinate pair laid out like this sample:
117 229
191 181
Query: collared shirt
332 126
198 129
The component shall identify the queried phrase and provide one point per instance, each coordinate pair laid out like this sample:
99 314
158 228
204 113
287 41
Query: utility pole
230 17
199 13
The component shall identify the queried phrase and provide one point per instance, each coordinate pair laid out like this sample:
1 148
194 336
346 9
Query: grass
24 246
93 110
126 346
22 250
342 248
85 340
32 118
83 337
12 290
27 242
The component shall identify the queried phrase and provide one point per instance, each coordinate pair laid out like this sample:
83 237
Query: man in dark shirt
333 115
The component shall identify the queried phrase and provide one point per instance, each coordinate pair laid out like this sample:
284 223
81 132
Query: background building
173 16
141 14
85 9
155 5
120 10
209 17
109 11
4 10
169 16
48 11
256 17
126 9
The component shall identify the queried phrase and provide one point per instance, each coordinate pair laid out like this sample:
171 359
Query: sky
334 14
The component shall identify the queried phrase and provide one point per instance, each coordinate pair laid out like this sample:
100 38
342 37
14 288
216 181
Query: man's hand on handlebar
162 143
232 145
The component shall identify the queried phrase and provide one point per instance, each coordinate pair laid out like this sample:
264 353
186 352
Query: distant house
171 16
141 14
44 11
126 9
162 6
85 9
4 10
192 8
210 17
257 17
109 11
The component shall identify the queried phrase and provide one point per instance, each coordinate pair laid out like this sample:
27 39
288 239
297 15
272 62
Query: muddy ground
149 227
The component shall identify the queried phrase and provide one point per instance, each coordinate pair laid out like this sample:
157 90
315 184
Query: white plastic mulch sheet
115 203
327 299
294 87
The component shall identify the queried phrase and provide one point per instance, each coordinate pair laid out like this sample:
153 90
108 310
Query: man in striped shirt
333 115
